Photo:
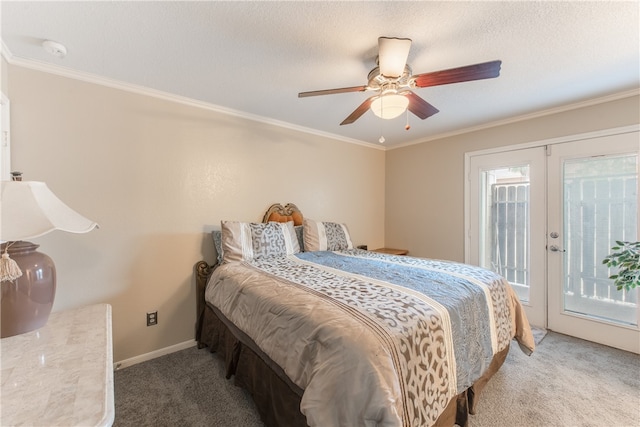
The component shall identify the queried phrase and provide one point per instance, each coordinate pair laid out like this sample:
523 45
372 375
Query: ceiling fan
393 81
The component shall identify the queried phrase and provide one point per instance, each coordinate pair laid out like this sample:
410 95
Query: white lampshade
29 209
392 55
389 106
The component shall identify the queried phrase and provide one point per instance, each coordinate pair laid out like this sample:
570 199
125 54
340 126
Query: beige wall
425 187
158 176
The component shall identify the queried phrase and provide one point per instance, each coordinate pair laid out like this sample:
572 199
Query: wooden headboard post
203 272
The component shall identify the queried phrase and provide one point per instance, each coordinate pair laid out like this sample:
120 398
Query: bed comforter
373 339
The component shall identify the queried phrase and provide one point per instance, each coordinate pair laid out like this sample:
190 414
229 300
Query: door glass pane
600 207
504 229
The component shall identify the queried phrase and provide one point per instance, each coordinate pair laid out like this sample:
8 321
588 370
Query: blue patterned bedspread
372 339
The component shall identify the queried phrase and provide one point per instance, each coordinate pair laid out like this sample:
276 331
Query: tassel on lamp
28 209
9 269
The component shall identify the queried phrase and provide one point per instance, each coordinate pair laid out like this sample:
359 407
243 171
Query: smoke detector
54 48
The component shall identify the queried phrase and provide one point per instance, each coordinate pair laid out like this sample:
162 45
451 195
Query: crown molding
5 52
142 90
537 114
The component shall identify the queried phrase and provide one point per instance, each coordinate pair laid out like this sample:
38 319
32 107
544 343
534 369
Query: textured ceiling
252 58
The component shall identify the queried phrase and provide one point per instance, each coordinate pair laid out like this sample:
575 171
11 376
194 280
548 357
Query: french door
545 217
593 201
508 223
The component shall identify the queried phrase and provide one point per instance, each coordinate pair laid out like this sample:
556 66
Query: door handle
554 248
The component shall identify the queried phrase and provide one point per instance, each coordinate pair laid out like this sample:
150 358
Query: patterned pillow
217 244
245 241
325 236
299 234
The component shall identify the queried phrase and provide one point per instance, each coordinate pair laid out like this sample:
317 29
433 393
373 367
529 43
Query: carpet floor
565 382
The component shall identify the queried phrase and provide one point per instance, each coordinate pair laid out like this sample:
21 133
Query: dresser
62 373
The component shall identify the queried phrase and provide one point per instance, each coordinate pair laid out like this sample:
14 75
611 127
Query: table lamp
28 209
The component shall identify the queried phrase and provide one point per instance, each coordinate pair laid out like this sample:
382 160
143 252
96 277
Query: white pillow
245 241
325 236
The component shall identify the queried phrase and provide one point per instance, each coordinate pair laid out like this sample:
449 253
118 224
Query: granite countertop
62 373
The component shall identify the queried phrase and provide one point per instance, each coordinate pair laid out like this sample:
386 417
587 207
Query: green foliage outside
627 258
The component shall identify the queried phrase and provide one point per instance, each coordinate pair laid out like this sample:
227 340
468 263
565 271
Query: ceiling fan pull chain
407 126
381 140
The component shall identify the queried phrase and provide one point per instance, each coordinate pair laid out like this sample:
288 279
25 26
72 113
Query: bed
323 334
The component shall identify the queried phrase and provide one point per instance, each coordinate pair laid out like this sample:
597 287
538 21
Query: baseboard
153 354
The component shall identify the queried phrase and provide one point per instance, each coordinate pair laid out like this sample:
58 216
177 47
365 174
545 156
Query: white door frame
5 138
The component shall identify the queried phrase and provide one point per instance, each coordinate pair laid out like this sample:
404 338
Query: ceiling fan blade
485 70
358 112
392 55
332 91
419 106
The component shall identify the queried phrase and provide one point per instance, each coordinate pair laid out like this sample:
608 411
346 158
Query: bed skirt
276 397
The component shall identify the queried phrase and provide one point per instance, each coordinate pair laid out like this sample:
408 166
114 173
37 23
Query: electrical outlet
152 318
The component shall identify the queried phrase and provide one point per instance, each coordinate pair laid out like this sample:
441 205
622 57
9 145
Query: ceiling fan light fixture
392 55
393 82
389 106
